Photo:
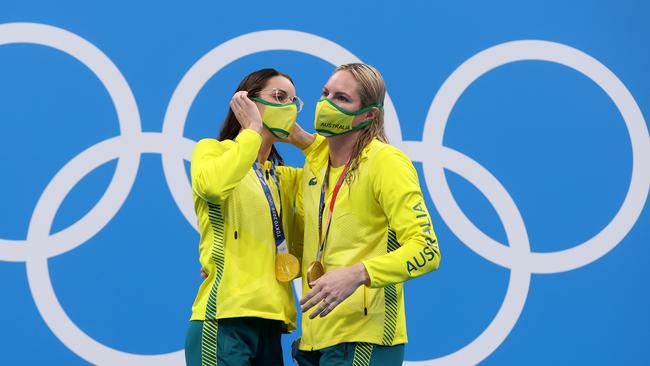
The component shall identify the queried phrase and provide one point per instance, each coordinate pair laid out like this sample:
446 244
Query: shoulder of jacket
381 150
214 145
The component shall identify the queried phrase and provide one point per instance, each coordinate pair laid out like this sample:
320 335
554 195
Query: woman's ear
372 114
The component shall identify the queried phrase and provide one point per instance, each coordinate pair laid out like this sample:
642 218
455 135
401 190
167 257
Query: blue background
550 135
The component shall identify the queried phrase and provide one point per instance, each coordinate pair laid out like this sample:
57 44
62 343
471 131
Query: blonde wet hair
372 90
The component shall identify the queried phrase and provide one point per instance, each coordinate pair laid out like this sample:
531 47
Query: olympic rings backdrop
527 122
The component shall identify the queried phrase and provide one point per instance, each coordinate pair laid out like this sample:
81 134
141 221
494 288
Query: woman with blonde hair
367 229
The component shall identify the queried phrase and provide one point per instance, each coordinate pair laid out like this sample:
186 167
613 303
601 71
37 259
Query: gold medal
286 267
314 272
316 269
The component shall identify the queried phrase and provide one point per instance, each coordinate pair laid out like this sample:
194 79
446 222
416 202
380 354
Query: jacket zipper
235 217
365 307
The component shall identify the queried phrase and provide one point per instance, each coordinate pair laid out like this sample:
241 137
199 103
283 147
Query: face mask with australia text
332 120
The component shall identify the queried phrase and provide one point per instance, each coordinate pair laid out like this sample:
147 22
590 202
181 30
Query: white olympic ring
521 262
175 148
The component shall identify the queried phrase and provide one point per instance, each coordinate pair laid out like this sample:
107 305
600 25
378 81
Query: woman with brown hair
244 201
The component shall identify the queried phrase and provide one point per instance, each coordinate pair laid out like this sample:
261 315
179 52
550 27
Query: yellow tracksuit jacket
237 246
380 220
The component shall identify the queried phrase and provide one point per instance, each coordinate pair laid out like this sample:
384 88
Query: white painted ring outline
552 262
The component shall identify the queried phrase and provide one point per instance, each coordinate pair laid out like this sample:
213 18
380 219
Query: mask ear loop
379 106
367 122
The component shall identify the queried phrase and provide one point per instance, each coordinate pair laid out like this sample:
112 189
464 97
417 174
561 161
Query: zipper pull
365 306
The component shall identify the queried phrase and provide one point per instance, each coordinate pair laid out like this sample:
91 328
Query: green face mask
332 120
279 119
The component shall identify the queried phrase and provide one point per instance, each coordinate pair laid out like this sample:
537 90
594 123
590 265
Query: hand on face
332 288
246 111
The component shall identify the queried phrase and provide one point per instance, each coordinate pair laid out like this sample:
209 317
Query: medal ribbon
323 238
276 218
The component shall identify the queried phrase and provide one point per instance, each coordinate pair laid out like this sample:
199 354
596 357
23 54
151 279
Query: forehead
280 82
342 81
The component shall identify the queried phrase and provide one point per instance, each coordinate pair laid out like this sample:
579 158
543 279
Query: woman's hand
334 287
203 273
246 111
299 137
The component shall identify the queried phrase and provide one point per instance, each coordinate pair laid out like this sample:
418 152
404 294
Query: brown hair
253 83
372 90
